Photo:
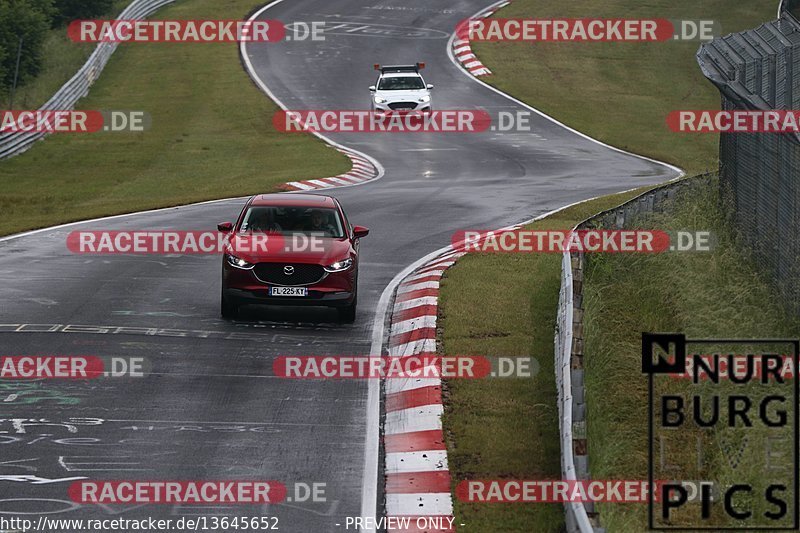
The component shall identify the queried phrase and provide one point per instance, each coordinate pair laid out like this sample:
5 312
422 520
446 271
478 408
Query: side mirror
372 88
225 227
430 86
360 231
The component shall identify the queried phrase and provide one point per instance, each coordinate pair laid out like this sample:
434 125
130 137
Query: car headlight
425 98
379 100
339 266
238 262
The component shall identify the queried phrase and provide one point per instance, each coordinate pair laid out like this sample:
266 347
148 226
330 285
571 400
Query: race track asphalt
211 408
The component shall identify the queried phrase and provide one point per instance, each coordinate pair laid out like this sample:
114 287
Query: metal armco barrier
759 178
576 514
579 517
14 143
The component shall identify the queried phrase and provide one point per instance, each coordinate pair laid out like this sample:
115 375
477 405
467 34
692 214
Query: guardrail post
569 349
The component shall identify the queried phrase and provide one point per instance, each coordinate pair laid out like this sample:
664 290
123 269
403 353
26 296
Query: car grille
402 105
273 273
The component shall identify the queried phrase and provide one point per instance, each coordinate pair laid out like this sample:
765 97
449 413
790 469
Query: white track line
496 5
263 86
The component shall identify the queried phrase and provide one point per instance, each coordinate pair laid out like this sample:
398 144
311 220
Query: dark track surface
211 410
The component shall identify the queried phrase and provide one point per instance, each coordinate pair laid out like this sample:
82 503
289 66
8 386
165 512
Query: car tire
347 314
229 308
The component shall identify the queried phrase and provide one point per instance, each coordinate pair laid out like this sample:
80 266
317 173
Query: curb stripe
418 482
462 48
424 461
413 398
415 441
413 348
338 180
417 294
300 185
414 302
348 179
426 276
360 173
413 312
401 385
417 285
361 170
431 504
417 322
425 418
438 265
411 336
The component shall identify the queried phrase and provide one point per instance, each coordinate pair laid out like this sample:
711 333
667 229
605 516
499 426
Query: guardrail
14 143
580 517
572 427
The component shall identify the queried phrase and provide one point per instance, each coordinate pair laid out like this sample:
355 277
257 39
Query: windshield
323 222
401 83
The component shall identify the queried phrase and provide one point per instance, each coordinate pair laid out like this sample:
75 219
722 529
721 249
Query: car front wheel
228 308
347 314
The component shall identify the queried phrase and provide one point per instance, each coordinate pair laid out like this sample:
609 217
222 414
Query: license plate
288 291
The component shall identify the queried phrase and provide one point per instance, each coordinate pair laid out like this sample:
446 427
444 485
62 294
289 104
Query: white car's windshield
290 220
401 83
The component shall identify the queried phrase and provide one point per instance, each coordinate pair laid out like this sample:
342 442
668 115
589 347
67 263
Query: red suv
291 249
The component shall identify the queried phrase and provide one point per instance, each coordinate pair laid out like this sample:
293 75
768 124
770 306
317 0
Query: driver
265 222
319 223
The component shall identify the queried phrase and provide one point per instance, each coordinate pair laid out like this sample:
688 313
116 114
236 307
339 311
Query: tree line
30 21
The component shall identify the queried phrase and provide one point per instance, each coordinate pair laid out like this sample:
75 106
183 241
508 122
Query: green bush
28 20
69 10
31 20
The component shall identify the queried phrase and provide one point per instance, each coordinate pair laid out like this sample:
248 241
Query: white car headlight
379 100
340 266
238 262
425 98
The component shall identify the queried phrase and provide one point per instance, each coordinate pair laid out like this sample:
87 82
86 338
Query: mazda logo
288 270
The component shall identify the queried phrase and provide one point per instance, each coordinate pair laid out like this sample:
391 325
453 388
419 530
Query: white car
401 88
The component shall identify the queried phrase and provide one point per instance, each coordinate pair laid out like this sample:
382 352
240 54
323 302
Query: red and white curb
363 170
417 474
463 53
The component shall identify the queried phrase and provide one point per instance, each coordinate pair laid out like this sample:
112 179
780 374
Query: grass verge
211 137
720 294
506 428
620 93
